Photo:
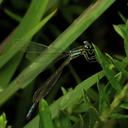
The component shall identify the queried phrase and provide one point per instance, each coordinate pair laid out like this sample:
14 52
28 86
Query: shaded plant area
35 51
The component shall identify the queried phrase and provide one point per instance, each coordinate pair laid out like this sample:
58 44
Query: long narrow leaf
122 30
12 41
45 115
106 65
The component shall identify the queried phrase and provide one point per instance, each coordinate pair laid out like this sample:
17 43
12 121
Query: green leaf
84 107
106 114
122 17
1 1
8 70
104 99
119 116
124 105
122 30
34 123
13 15
121 67
62 121
45 115
3 121
108 69
87 120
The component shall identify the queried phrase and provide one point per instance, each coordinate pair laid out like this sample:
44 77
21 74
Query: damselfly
86 50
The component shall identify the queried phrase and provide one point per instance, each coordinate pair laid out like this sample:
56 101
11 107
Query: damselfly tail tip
28 116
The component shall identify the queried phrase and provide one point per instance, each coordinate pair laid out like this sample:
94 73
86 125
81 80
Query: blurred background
101 33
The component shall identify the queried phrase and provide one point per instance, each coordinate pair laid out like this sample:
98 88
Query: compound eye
87 45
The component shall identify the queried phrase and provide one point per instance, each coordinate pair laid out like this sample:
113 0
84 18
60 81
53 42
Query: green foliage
19 44
18 40
45 115
77 107
122 30
3 121
65 39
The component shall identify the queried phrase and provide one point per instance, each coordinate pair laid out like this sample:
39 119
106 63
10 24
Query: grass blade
122 30
45 115
6 53
11 46
107 68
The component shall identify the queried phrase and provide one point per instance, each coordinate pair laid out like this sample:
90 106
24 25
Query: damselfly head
87 45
